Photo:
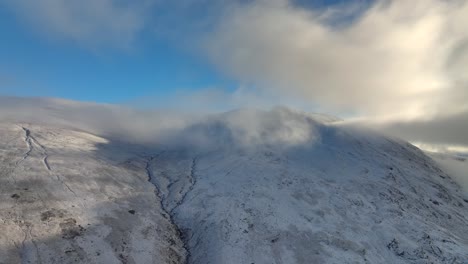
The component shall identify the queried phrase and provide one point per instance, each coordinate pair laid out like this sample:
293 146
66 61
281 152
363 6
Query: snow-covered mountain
98 184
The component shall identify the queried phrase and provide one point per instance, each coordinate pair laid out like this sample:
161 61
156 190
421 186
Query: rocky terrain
242 187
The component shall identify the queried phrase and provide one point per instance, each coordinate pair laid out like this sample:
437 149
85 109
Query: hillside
246 186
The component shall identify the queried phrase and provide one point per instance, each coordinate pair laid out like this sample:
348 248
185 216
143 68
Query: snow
76 208
247 186
348 197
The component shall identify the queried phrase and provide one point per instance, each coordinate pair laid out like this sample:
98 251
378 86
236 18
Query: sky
111 51
400 65
74 61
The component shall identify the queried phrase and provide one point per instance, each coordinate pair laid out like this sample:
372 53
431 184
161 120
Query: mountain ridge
249 186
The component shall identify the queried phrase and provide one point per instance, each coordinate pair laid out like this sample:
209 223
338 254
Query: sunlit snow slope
65 200
241 187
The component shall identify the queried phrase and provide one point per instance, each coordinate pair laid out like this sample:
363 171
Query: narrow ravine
29 245
167 214
27 140
31 142
192 180
35 145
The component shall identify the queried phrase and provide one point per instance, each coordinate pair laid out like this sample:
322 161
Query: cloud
456 166
402 62
443 133
396 59
92 23
279 127
217 100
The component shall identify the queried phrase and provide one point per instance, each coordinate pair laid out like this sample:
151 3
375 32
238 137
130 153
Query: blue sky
391 61
34 64
389 58
37 60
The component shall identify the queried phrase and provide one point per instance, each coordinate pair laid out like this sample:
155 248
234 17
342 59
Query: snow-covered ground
65 200
242 187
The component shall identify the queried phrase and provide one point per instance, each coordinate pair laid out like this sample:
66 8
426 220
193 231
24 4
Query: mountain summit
247 186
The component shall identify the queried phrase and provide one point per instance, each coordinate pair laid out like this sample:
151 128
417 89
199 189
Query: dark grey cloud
441 130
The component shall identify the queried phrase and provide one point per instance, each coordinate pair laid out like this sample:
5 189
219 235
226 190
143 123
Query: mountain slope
241 187
347 196
64 202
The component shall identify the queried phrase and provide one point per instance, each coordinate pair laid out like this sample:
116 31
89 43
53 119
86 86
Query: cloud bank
400 62
247 128
443 132
398 59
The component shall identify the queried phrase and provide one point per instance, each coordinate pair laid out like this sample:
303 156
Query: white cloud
279 127
91 23
398 59
216 100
